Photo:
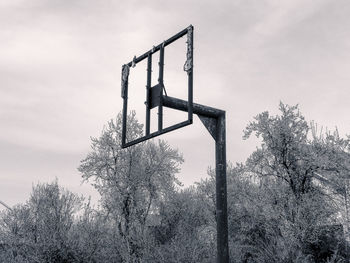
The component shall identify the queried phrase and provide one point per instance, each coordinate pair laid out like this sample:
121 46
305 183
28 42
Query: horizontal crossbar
154 134
157 48
182 105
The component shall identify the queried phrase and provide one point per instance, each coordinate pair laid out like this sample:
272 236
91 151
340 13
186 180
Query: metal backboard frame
213 119
155 94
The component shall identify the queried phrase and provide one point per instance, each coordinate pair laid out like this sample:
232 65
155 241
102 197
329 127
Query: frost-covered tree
38 231
132 182
298 169
294 154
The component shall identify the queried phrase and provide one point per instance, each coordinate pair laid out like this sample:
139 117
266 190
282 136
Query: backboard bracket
209 124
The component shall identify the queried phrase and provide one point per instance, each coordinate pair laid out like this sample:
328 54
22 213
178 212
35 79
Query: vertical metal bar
125 84
125 115
161 83
148 91
221 191
190 85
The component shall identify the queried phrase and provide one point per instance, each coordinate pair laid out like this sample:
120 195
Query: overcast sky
60 64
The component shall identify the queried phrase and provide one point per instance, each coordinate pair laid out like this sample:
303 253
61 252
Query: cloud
60 64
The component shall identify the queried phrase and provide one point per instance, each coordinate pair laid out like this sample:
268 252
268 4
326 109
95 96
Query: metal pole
214 121
221 191
161 83
347 215
148 87
218 117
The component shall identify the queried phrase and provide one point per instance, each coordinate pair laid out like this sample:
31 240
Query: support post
221 191
217 116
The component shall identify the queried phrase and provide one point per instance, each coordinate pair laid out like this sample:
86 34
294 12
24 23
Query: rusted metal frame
189 31
214 121
161 84
148 91
158 47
